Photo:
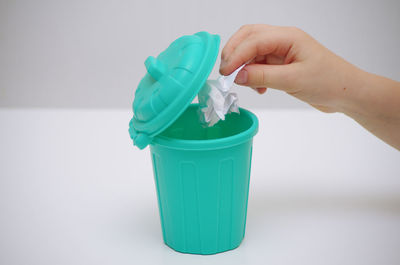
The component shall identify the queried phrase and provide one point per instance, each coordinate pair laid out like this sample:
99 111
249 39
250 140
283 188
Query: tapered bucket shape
202 180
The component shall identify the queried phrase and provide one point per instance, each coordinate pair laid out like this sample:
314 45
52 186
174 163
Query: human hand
288 59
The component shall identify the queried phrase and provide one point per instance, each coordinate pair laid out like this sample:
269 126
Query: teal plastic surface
201 173
202 180
172 81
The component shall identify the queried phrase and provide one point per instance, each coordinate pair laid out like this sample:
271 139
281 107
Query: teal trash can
201 173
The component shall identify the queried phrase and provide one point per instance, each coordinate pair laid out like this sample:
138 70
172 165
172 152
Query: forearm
374 102
288 59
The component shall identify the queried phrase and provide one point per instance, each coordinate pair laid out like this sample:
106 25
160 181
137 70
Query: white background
73 190
87 53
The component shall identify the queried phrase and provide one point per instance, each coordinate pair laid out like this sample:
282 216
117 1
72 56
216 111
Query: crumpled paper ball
216 100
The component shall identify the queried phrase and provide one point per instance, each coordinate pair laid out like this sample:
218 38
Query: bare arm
374 102
289 59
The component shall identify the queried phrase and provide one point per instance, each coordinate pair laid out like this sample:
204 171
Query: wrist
353 93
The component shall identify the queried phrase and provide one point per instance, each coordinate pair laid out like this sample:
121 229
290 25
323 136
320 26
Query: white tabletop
73 190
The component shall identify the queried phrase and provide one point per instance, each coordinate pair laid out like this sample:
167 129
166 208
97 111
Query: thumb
267 75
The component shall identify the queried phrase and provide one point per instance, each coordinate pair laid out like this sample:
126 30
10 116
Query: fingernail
241 78
261 90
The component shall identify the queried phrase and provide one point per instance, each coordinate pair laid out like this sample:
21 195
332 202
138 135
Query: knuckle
264 78
257 77
244 27
296 31
263 27
247 27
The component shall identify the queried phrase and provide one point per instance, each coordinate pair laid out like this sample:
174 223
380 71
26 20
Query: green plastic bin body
201 173
202 181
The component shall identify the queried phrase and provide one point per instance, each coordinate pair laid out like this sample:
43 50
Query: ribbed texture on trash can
202 197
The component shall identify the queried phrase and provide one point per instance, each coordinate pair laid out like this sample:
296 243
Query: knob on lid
172 81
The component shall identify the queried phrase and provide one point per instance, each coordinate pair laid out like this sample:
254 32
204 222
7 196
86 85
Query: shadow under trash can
201 173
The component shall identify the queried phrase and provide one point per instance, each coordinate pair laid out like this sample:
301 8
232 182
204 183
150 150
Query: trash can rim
211 144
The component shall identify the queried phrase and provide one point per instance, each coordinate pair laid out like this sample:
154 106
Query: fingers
235 39
274 59
261 90
264 75
268 59
255 41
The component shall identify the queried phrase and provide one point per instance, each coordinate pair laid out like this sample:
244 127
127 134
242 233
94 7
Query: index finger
277 41
234 40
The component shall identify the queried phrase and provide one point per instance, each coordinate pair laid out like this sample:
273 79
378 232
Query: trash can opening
188 126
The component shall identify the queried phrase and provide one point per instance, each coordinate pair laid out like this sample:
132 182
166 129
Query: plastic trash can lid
172 81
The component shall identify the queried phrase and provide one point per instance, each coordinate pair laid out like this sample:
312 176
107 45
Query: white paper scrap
216 100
